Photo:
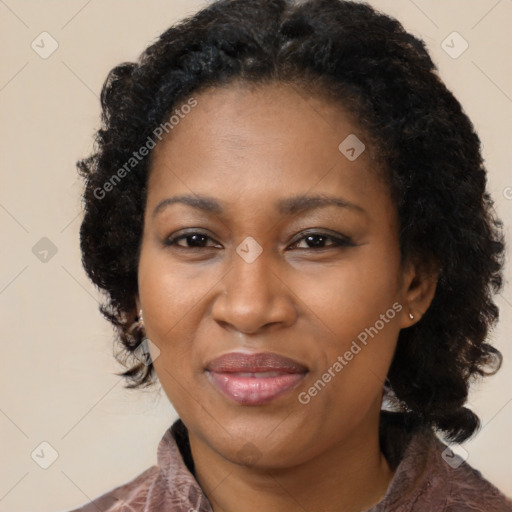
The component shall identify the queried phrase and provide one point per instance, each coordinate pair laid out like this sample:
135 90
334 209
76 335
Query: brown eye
194 240
319 240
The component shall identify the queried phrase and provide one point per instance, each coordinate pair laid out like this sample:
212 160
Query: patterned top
428 477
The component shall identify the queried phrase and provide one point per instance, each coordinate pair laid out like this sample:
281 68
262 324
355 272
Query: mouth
254 379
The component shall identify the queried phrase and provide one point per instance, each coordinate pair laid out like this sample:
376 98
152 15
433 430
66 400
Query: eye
317 240
194 240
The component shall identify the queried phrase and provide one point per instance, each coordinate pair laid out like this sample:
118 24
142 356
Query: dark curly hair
429 151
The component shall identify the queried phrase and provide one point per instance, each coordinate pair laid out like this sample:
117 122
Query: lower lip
254 390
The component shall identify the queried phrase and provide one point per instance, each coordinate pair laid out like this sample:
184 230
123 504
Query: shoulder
462 487
120 498
429 476
168 485
468 489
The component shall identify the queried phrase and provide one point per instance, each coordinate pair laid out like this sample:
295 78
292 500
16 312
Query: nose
254 297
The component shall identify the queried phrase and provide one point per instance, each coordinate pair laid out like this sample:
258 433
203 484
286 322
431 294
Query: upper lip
235 362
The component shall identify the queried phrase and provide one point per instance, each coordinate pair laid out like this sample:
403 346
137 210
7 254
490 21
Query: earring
411 316
138 324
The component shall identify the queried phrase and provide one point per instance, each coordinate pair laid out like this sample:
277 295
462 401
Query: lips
254 379
239 362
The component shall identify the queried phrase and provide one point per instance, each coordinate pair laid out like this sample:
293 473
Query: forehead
263 143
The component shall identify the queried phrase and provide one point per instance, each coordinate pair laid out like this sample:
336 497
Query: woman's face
255 271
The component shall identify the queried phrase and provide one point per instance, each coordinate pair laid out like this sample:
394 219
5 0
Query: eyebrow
287 206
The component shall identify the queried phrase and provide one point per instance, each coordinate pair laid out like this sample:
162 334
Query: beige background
57 381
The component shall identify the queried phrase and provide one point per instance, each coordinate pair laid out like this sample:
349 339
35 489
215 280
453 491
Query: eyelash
337 241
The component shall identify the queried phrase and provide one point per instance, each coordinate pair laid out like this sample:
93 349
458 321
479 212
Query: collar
411 452
182 491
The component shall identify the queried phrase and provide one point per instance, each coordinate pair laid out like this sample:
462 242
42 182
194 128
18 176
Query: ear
418 289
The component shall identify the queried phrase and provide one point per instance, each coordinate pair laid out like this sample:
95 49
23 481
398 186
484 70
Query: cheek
352 295
354 315
169 291
168 299
353 357
173 296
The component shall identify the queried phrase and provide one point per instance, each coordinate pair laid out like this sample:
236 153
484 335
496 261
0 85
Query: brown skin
248 148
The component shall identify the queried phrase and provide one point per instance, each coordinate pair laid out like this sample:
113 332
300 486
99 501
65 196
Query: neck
353 475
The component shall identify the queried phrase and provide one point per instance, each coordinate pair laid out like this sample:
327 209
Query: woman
287 209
